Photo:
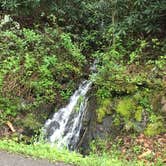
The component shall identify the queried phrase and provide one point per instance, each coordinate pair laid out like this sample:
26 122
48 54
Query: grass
53 154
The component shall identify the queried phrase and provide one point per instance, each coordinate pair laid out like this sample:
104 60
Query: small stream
65 126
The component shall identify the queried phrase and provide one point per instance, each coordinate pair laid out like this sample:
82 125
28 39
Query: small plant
153 129
137 149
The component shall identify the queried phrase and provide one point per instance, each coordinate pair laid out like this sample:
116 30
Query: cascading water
65 126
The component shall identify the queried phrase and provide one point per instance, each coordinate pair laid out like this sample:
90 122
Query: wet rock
91 129
52 127
88 131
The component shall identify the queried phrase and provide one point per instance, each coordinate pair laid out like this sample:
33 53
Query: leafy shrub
38 67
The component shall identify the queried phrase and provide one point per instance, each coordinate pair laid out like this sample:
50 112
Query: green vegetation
45 151
47 48
104 109
125 107
130 148
36 68
130 65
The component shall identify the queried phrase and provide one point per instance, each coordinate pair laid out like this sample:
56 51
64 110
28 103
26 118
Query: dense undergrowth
46 48
36 68
131 89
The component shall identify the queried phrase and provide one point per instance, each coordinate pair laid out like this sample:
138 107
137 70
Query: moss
117 121
154 128
137 96
125 107
131 88
107 105
103 110
138 113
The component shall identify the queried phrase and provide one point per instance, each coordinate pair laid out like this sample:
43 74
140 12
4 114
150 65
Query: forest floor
9 159
147 149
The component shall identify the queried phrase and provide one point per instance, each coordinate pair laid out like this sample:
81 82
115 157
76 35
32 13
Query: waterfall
65 126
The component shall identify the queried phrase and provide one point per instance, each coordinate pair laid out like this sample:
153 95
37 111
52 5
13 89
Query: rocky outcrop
147 119
91 129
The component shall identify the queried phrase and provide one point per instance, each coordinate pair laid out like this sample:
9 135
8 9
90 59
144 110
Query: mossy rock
154 129
101 113
103 110
125 107
117 121
138 113
131 88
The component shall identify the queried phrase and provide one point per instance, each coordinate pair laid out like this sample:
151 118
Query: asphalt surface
9 159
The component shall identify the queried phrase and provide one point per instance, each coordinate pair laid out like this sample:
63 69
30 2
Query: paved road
7 159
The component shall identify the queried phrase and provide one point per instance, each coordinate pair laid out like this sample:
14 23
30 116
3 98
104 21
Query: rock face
88 125
91 128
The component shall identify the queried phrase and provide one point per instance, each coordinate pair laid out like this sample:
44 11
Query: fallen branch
9 124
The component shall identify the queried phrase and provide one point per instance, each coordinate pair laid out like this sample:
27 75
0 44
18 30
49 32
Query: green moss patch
104 109
125 107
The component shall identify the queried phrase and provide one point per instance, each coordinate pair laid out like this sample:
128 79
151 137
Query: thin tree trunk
113 21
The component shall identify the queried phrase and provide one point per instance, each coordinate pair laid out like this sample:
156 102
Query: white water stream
65 126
